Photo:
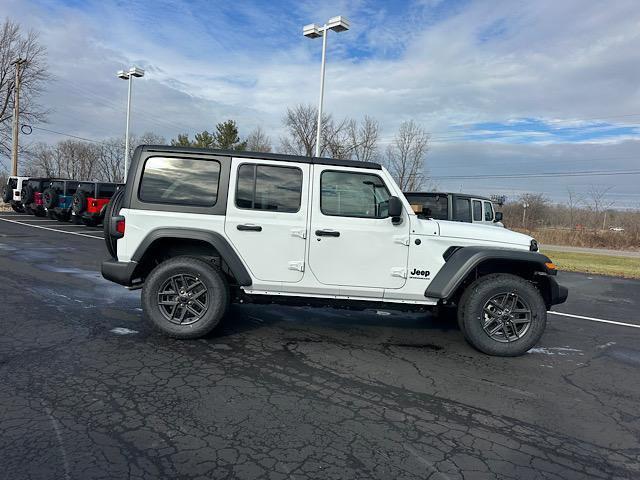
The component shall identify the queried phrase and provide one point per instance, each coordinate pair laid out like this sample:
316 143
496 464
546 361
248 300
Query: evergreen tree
227 138
181 141
204 140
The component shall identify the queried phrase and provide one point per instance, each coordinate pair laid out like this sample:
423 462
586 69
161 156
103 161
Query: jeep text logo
420 273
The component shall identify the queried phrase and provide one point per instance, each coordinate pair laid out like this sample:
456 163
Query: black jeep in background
90 201
31 195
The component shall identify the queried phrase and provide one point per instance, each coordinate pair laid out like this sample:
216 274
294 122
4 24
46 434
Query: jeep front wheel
502 315
185 297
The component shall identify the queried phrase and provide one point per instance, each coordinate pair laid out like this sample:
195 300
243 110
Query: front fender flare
464 260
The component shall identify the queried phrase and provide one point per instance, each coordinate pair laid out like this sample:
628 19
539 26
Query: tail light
117 226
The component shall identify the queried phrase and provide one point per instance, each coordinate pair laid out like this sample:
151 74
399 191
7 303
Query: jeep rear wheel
17 207
502 314
185 297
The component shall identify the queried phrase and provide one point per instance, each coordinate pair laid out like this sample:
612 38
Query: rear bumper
119 272
557 293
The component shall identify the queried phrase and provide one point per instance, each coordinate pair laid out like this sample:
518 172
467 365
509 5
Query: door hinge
299 232
401 239
297 265
399 272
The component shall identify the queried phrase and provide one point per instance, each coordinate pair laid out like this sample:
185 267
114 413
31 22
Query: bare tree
258 141
301 122
599 203
364 139
15 44
336 139
573 201
536 208
405 157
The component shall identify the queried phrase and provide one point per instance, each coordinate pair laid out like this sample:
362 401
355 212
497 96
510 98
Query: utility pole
604 222
16 116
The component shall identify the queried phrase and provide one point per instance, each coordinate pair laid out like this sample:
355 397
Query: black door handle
327 233
249 228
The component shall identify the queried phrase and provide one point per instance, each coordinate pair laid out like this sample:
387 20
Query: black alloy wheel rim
183 299
506 317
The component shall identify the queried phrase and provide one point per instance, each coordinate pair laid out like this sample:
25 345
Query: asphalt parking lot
87 390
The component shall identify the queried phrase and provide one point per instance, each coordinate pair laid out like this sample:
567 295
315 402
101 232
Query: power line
539 175
64 134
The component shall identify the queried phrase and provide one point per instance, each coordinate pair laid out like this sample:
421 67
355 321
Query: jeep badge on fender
217 234
420 273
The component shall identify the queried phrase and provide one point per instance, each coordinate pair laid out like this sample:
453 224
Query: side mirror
498 217
395 209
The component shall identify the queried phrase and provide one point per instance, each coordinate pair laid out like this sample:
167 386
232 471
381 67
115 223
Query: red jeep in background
90 201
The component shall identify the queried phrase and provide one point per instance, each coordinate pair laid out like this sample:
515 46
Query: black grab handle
327 233
249 228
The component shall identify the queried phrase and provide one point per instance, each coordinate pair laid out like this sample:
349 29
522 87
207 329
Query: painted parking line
52 229
591 319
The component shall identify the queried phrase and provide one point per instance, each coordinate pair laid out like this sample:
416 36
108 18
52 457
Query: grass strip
595 263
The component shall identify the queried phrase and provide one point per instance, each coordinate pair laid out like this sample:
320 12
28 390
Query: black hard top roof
458 194
265 156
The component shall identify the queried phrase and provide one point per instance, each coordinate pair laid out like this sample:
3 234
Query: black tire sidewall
7 194
26 195
79 203
50 198
472 315
218 291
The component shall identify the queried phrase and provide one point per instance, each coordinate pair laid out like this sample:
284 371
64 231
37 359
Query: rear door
353 240
267 217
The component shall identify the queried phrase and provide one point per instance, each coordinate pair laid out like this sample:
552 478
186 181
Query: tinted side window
180 180
350 194
429 206
462 210
268 187
106 190
87 188
13 183
477 211
488 211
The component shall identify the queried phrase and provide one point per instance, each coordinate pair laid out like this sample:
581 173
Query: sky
518 96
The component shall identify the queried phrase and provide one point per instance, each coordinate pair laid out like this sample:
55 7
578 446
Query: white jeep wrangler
198 229
11 193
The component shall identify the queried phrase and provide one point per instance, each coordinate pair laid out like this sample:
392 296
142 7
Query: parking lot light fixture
128 75
337 24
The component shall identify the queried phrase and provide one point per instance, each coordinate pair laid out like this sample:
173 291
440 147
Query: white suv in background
197 229
11 192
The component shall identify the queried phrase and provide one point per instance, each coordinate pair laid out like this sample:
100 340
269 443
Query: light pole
525 205
16 116
128 75
337 24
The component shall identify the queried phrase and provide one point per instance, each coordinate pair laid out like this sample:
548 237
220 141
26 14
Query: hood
483 233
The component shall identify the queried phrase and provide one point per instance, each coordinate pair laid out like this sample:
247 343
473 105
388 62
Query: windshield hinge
299 232
297 265
401 239
399 272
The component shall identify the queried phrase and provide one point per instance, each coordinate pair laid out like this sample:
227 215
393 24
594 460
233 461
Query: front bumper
557 293
119 272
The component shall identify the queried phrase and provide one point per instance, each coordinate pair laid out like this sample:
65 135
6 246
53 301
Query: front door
353 242
267 217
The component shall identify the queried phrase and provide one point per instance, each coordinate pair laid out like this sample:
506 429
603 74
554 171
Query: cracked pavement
88 390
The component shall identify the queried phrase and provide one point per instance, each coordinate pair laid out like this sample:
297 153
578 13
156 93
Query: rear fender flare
217 241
